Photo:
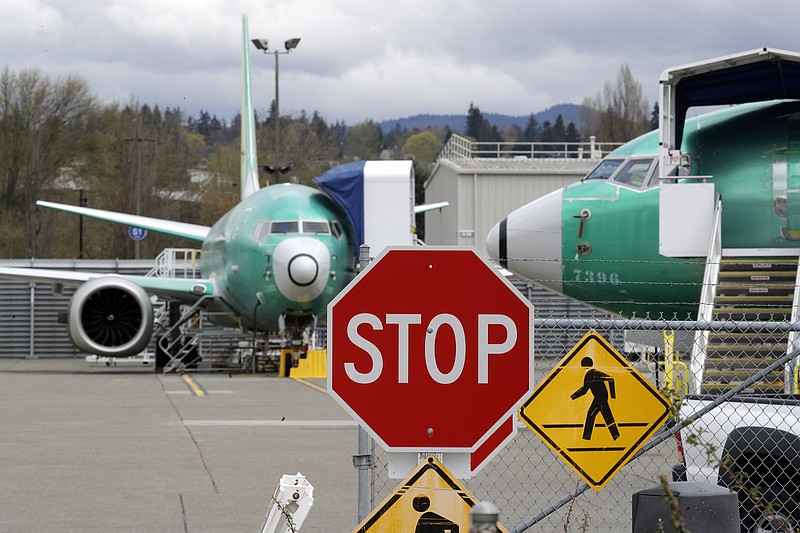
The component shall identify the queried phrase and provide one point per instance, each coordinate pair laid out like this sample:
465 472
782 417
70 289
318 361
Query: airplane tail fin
249 162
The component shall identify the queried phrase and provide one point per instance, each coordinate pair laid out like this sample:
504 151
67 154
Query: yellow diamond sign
595 410
429 499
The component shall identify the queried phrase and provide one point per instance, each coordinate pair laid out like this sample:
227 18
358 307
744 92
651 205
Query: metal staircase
744 286
190 339
753 289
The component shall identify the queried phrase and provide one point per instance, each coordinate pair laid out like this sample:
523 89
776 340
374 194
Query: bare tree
620 112
43 125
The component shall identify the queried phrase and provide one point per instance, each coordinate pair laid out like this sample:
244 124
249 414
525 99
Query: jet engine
110 316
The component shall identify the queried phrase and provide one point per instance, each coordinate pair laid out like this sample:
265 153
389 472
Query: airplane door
793 193
786 182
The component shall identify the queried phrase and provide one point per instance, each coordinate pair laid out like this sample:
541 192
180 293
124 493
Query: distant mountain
457 123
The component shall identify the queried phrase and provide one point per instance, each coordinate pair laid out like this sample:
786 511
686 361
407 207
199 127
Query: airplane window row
635 172
284 227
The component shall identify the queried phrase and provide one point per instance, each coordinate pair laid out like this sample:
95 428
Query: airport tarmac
94 448
87 449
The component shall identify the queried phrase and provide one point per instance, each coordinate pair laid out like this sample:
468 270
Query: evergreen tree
654 117
545 137
573 136
475 122
363 141
559 132
532 130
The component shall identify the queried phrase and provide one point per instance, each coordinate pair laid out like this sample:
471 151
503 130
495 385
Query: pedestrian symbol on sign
431 522
595 377
595 381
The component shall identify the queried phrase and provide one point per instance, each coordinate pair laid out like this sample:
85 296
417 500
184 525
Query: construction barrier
313 365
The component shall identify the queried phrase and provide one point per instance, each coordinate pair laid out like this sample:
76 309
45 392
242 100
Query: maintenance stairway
758 289
191 340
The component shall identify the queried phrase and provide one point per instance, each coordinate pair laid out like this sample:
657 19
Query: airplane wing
184 290
194 232
429 207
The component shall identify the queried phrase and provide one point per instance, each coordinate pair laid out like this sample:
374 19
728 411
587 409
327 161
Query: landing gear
298 330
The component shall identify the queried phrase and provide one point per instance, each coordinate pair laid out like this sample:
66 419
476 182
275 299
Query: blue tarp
345 185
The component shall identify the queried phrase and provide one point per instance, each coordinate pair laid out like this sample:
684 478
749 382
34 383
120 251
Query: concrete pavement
124 449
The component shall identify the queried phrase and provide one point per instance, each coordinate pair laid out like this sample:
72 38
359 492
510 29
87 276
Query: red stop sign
430 349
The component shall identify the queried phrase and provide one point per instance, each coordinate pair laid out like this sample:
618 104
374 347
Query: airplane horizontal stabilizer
429 207
45 275
194 232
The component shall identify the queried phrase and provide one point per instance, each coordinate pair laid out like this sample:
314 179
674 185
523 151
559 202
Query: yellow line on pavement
196 389
312 385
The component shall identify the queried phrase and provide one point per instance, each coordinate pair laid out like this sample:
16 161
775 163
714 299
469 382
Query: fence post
483 518
364 460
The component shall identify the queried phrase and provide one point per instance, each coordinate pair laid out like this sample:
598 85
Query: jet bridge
686 201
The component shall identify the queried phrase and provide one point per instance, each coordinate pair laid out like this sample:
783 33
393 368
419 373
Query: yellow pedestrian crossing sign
429 499
595 410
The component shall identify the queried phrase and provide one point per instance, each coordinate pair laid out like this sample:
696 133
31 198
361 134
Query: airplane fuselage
279 257
598 240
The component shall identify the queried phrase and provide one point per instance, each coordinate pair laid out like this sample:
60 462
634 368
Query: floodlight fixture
261 44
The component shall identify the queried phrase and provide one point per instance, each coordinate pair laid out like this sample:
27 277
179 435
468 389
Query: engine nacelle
110 316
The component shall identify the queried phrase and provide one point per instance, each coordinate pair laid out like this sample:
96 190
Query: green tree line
59 142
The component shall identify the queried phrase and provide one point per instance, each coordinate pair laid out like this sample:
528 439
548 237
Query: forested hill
569 113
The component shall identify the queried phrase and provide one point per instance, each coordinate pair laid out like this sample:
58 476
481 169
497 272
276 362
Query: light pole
138 139
263 45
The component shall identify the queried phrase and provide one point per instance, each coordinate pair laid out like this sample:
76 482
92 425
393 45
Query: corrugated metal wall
482 192
44 336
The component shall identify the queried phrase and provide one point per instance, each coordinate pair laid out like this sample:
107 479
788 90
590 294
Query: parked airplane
607 240
272 263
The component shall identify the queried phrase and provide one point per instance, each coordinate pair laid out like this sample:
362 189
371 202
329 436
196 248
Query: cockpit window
284 226
336 229
316 227
604 170
634 172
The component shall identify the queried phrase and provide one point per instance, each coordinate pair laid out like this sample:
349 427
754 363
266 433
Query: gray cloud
362 59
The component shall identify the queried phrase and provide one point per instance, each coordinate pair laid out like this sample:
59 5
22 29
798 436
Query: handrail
173 261
791 372
706 311
459 147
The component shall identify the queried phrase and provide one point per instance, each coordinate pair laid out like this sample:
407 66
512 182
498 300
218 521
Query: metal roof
518 165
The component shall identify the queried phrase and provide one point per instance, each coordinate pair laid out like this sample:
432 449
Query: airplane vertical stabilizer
249 162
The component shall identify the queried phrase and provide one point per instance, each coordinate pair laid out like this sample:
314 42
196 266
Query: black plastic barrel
703 507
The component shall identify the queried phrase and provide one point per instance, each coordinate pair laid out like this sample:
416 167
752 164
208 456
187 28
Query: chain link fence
736 379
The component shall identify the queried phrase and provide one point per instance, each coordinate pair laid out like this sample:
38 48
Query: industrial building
483 182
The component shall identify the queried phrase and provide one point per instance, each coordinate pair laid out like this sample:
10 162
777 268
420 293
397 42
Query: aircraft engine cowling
111 317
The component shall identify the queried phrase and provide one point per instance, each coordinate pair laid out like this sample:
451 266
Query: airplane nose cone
493 241
303 270
528 241
302 266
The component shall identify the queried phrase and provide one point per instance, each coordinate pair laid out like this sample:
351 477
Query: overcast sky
380 59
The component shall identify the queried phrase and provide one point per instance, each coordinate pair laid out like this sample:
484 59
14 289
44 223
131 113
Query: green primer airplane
599 240
272 263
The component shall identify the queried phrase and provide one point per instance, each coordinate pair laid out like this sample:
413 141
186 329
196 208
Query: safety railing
458 147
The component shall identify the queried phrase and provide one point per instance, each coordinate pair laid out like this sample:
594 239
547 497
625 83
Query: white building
484 182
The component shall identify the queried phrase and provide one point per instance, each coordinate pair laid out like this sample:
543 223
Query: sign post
431 350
